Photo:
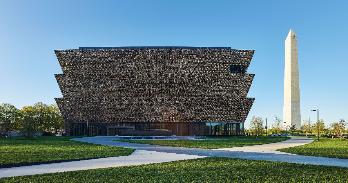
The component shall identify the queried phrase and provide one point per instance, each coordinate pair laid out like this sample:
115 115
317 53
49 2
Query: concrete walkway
146 154
139 157
273 147
258 152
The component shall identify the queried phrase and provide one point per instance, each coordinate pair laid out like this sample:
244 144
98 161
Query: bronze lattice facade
154 90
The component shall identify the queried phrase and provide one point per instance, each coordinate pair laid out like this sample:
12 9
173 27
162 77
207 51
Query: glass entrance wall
152 128
221 128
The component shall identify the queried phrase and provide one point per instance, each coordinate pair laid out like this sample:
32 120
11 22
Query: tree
318 128
292 129
256 126
9 116
277 126
337 128
57 122
306 127
29 122
41 118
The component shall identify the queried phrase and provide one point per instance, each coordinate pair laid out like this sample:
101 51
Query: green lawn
335 148
212 143
200 170
21 151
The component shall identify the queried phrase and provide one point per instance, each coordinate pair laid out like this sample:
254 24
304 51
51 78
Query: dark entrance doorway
115 130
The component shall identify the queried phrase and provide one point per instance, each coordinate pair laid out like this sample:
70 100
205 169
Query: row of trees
30 120
335 129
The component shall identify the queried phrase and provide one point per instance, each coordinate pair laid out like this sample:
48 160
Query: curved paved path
146 154
258 152
273 147
138 157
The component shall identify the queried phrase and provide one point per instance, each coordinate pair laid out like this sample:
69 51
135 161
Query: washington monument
292 110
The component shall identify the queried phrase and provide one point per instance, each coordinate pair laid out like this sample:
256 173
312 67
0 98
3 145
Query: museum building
154 90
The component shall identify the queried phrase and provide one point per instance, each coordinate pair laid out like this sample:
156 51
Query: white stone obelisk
292 110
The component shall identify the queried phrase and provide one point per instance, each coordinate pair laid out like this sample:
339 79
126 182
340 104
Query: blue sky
31 30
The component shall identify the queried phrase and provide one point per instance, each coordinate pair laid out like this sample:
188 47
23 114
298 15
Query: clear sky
31 30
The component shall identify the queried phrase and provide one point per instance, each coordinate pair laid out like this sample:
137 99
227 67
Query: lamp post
317 110
266 127
286 128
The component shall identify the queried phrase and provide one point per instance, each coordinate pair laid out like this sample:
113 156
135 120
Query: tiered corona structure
154 90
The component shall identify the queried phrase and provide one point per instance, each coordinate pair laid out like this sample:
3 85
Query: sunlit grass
21 151
326 147
213 143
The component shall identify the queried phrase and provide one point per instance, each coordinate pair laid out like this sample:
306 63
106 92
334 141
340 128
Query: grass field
200 170
21 151
212 143
326 147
